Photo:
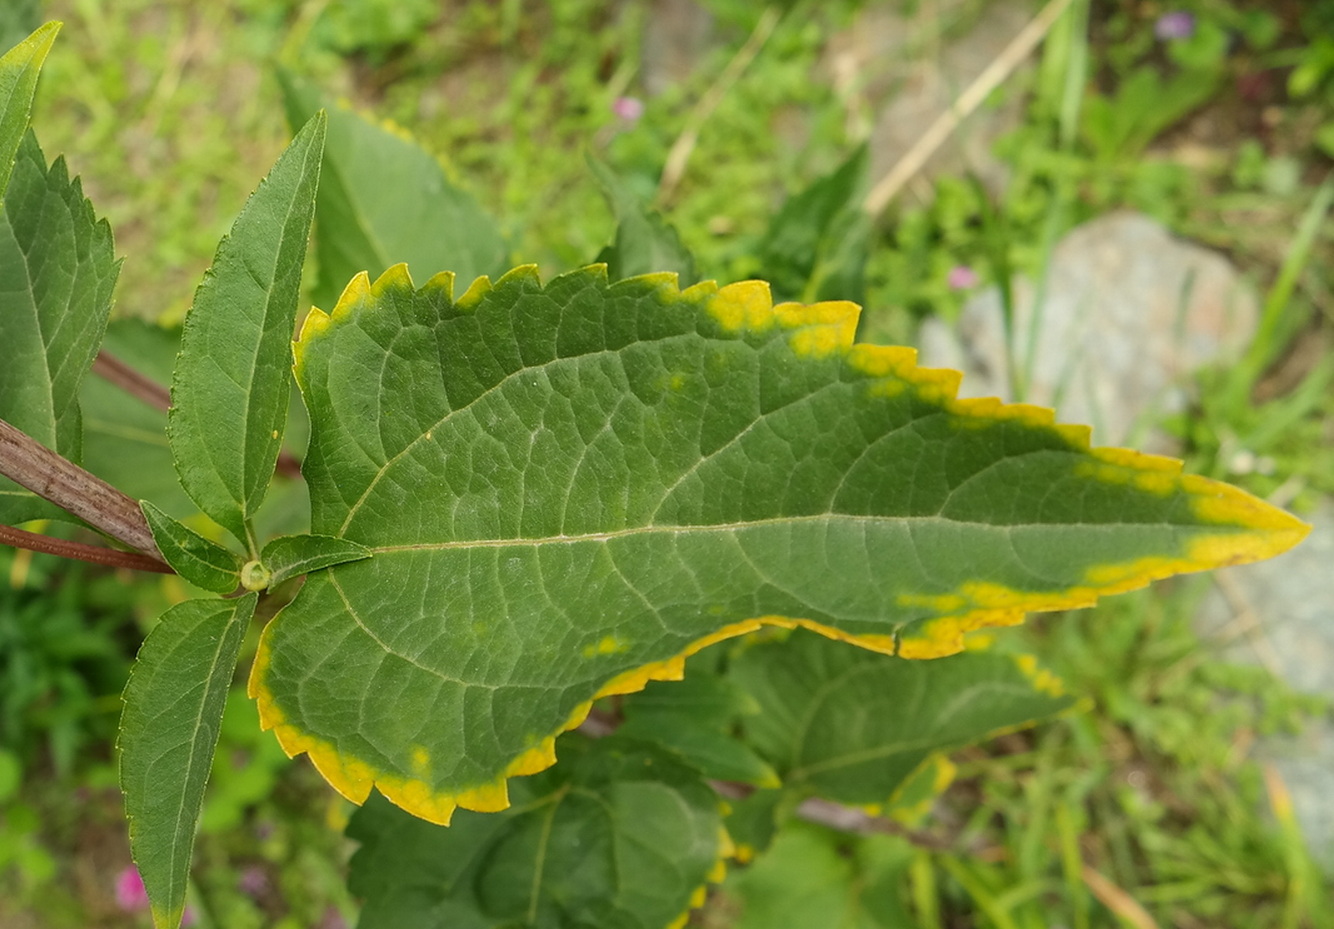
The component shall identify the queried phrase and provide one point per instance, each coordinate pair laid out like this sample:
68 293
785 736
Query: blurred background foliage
1216 117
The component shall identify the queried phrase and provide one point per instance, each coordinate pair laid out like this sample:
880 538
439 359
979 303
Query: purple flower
628 109
1177 24
961 277
332 919
253 881
188 917
130 894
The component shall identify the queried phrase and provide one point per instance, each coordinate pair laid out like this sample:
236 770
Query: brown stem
95 554
114 371
32 465
136 384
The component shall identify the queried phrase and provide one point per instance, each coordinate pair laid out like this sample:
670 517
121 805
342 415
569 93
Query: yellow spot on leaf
478 289
743 306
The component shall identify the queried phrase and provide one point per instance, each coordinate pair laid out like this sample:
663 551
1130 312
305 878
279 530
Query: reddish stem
95 554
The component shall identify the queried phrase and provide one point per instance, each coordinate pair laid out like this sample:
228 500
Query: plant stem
114 371
95 554
32 465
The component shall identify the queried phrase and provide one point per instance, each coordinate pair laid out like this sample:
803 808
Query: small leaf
571 488
817 245
853 726
168 732
201 562
232 381
620 834
18 84
290 555
645 242
57 272
365 224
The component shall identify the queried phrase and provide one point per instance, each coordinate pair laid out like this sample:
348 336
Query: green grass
169 111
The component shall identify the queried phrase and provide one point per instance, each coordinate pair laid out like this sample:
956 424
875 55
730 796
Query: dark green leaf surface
853 725
645 242
232 381
366 224
57 272
201 562
290 555
19 68
570 488
168 730
619 835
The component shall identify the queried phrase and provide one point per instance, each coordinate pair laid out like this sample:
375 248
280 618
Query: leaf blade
290 555
593 482
365 225
200 561
58 267
230 388
169 728
19 69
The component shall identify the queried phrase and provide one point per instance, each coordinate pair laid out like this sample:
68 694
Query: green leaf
812 876
620 834
19 68
232 381
571 488
168 731
696 718
817 245
644 240
57 272
365 224
201 562
852 725
290 555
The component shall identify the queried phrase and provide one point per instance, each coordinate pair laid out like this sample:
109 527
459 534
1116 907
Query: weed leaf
570 488
291 555
232 383
168 731
852 725
621 834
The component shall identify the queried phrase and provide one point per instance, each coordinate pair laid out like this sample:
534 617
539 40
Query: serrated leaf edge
816 330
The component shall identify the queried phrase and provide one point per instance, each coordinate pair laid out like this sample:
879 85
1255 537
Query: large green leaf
232 381
366 224
168 730
57 272
570 488
19 68
853 725
621 834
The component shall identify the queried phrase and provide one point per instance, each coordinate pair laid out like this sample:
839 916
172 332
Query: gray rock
1126 314
1280 614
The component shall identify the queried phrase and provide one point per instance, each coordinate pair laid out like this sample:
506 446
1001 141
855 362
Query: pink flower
188 917
1177 24
961 277
130 894
628 109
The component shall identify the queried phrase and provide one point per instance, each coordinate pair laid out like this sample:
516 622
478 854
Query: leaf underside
57 272
569 488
